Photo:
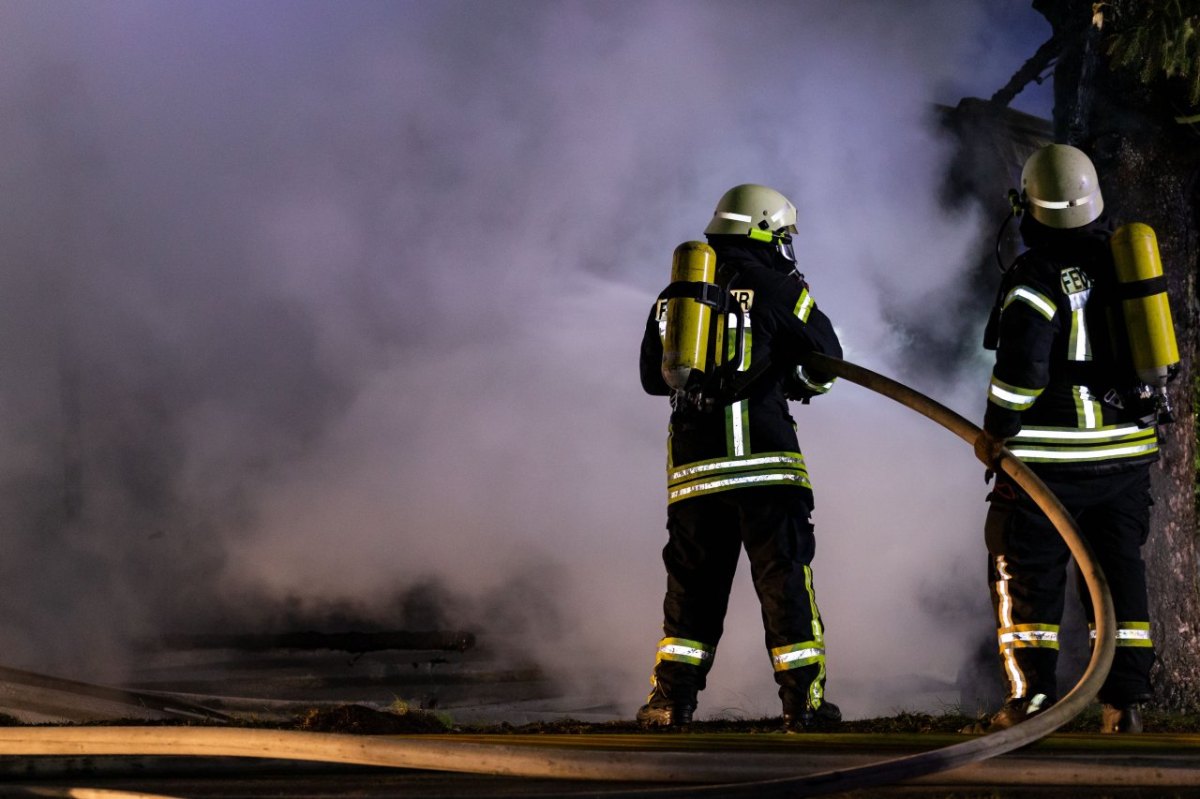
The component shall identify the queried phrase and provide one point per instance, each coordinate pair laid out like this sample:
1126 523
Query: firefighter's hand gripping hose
651 766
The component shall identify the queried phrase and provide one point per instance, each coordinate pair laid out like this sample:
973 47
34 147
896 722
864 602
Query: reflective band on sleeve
804 306
1012 397
1034 299
681 650
795 656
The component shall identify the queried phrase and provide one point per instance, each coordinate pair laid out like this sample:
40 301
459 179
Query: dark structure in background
1127 91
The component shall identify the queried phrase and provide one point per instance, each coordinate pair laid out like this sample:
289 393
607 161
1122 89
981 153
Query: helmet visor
783 242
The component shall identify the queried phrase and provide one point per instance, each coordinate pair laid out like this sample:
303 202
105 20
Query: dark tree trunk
1149 167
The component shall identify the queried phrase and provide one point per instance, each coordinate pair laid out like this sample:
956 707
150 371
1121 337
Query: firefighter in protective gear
1064 398
735 474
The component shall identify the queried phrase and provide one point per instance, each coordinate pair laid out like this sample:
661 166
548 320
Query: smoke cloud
316 303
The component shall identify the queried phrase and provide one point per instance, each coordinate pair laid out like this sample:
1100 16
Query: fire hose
651 766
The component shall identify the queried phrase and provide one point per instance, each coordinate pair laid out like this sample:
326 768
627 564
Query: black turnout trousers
1027 569
706 535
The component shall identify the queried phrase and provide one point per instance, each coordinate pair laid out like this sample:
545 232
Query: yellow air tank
1143 292
686 358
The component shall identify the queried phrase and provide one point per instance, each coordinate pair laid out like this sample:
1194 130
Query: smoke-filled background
312 305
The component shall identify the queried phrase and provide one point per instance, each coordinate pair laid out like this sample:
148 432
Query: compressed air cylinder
686 359
1143 290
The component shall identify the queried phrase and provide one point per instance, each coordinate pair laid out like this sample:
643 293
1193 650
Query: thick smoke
320 302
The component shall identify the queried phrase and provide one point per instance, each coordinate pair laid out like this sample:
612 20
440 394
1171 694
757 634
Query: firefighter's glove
989 449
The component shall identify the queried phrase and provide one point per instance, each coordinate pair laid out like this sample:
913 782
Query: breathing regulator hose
647 765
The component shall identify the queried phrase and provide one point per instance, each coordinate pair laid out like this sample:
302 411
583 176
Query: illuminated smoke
329 300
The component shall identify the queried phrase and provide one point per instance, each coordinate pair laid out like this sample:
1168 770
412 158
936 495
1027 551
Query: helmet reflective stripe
1004 606
1010 396
1129 633
794 656
1059 184
1054 204
681 650
750 208
1022 636
1035 299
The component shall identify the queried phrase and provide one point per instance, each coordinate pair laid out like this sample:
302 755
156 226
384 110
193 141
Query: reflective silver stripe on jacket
723 474
1012 397
1065 444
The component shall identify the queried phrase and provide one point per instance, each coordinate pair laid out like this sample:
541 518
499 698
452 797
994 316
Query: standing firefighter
726 341
1084 350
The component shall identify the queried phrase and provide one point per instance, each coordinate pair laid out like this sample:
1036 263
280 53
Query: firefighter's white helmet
752 207
1060 188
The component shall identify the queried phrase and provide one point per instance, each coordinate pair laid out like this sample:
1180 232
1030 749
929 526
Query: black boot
661 710
1121 718
1017 710
806 718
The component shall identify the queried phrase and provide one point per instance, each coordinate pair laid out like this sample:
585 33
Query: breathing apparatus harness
708 380
701 369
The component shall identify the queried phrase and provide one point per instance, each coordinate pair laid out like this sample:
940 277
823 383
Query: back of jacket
750 442
1063 387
